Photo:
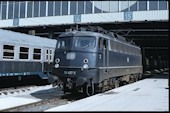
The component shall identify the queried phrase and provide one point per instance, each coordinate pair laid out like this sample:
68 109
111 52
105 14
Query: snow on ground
145 95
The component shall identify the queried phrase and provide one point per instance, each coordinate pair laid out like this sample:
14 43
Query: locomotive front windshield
77 42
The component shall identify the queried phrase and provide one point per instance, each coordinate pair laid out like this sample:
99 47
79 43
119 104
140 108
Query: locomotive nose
81 81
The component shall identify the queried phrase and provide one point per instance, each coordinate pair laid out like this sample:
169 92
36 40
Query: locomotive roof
91 33
25 39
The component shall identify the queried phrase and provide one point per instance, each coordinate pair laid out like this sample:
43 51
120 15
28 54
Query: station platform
149 94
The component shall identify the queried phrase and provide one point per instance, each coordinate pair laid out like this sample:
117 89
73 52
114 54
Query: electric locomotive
89 61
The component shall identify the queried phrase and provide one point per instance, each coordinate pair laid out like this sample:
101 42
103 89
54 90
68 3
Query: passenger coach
23 55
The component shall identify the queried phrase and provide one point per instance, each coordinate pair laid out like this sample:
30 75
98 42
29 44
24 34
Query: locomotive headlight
57 60
56 65
85 60
85 66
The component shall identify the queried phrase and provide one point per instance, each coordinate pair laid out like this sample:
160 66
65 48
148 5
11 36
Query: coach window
23 53
47 55
37 54
51 54
8 52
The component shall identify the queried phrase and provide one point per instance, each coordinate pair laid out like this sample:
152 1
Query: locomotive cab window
85 42
64 42
8 52
23 53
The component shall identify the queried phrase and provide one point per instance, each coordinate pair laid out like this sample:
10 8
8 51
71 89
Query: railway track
34 106
47 103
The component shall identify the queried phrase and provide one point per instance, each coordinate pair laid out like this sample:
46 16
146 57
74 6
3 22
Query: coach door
48 60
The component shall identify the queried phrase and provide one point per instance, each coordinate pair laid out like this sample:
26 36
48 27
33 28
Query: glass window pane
10 10
50 8
133 5
42 8
73 5
142 5
4 6
22 10
97 6
80 7
57 7
8 52
64 7
124 6
114 6
153 5
0 10
23 53
16 10
88 7
29 9
36 8
106 6
37 54
163 5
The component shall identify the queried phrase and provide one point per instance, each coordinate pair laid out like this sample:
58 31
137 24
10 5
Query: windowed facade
29 9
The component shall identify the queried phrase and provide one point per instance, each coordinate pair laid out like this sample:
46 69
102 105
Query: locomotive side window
8 52
104 44
100 43
37 54
23 53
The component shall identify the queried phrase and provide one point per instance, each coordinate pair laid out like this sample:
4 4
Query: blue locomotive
94 61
